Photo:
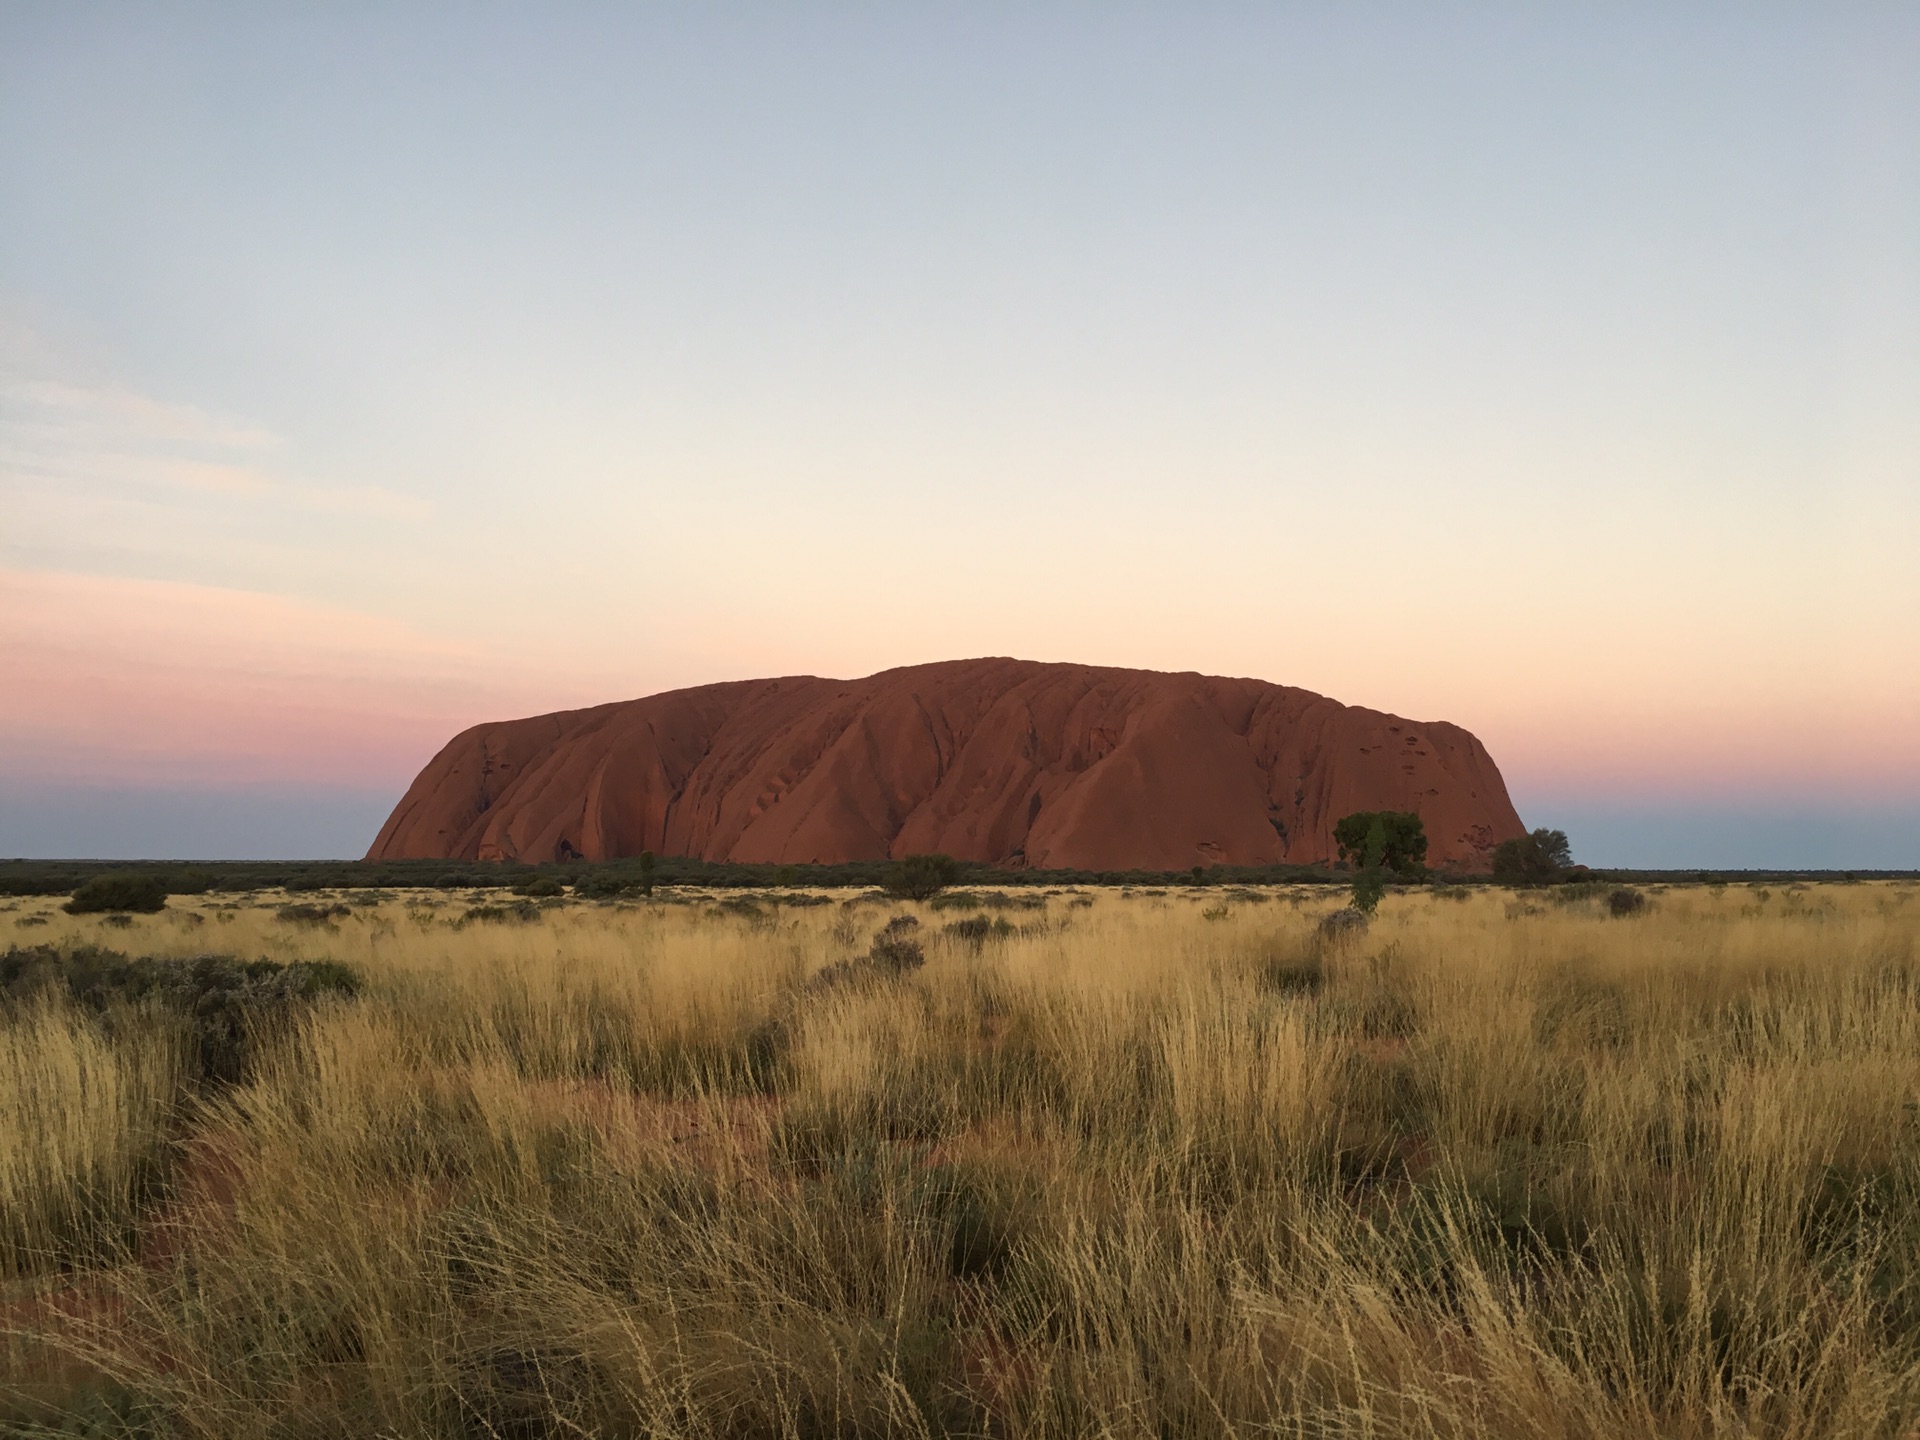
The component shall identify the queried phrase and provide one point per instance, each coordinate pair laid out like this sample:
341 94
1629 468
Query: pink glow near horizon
142 682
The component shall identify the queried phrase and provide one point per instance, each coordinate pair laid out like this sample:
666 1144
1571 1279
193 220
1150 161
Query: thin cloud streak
95 408
96 441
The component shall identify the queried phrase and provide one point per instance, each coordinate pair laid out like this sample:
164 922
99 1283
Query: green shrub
119 891
1343 924
1626 901
543 888
1396 839
739 907
602 885
521 910
921 877
978 929
1536 859
311 914
1000 900
893 953
226 1005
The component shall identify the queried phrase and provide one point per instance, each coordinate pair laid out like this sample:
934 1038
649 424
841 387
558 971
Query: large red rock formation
1006 761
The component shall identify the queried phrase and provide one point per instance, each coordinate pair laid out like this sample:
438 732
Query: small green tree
1403 840
921 877
646 873
1536 859
1369 882
787 876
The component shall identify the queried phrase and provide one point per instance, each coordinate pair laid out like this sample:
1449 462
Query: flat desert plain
1154 1163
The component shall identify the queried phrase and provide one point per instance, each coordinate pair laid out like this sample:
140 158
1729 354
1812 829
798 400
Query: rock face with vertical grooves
1011 762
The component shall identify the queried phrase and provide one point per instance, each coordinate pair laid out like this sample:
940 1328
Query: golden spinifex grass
1156 1164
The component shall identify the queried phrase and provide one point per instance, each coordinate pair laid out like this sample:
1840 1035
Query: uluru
1007 762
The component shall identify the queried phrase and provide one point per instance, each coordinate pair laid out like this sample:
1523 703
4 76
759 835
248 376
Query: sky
370 371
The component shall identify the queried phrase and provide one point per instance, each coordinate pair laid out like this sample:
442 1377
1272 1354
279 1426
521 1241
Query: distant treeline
62 877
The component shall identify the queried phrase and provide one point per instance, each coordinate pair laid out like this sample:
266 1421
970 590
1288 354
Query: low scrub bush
1343 924
892 954
978 929
921 877
311 914
226 1005
126 891
739 907
1624 902
489 914
603 885
894 951
1001 900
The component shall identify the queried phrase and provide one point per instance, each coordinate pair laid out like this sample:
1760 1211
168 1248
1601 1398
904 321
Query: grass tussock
1158 1163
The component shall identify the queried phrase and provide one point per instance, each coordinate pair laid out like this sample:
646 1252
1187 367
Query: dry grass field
1154 1164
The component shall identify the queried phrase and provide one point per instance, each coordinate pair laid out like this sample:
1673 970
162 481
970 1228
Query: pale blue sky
1556 373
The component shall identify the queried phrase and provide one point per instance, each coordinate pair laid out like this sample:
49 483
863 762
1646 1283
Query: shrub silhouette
311 914
521 910
119 891
1343 924
978 929
892 952
1401 841
602 885
891 955
1624 902
1536 859
226 1005
921 877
